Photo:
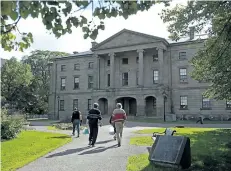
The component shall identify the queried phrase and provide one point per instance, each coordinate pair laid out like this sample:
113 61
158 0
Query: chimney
93 44
75 52
191 32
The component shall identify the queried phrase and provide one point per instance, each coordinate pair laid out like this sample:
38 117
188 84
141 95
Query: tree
60 17
15 77
212 63
38 90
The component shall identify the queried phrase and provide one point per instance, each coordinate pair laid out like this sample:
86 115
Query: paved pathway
105 156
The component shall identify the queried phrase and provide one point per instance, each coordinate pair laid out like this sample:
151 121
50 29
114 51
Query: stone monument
171 151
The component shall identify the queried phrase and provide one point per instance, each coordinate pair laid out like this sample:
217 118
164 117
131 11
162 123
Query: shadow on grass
67 152
211 151
61 137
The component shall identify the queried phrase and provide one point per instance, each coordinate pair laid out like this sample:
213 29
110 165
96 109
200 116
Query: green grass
180 131
210 148
29 146
153 120
52 128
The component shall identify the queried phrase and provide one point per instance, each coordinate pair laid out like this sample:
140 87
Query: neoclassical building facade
149 75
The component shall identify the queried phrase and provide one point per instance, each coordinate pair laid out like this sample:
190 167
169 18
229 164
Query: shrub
3 114
10 125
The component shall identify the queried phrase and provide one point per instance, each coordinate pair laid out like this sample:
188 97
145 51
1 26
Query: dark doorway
103 106
129 105
150 106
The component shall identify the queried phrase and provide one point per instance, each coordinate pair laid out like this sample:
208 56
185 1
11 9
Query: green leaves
51 12
13 15
211 64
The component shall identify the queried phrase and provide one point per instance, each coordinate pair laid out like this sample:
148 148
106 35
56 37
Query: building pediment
126 38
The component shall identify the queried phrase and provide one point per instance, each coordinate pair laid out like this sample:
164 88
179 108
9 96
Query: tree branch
13 25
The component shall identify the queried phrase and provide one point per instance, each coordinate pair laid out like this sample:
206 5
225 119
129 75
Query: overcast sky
148 22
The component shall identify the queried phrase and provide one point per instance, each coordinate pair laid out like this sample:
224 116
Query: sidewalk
78 156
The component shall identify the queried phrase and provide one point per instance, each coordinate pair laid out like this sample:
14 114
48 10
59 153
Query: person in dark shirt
94 115
76 120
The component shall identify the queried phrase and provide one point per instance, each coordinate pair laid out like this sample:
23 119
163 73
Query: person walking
118 118
94 115
201 119
113 124
76 120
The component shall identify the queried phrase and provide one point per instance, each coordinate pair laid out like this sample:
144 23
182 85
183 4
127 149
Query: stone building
149 75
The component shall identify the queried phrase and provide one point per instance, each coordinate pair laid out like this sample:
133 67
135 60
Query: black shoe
89 143
119 144
92 145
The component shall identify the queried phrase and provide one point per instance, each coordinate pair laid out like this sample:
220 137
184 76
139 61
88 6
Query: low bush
63 126
10 126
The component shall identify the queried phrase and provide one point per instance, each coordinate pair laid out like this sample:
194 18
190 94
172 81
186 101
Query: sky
148 22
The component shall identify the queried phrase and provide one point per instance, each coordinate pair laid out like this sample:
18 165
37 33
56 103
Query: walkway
105 156
78 156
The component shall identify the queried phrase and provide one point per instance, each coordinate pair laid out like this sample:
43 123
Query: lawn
158 121
210 148
29 146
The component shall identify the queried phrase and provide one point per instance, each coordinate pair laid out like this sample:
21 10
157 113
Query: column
141 67
97 72
112 69
111 105
140 106
161 65
160 106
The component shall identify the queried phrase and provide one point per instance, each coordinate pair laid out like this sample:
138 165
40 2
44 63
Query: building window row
182 55
75 104
76 82
206 103
77 66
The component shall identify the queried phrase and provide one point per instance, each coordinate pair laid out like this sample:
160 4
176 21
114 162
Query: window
108 80
61 105
137 77
228 105
125 79
155 58
108 62
76 82
63 67
182 55
77 67
90 81
206 104
183 75
75 103
125 61
90 65
63 83
183 102
137 60
89 102
155 76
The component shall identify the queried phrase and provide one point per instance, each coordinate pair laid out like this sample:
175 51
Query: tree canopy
39 87
25 83
60 17
211 64
15 77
